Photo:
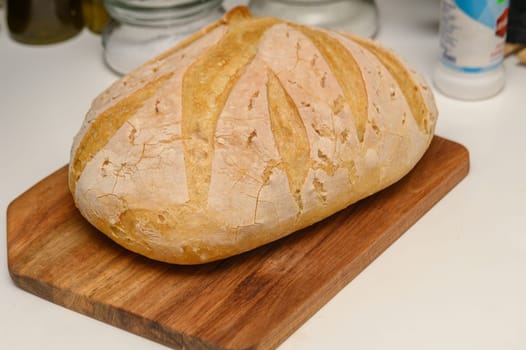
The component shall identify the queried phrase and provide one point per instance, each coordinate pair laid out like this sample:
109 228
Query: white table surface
455 280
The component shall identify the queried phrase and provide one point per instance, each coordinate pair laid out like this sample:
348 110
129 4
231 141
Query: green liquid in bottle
40 22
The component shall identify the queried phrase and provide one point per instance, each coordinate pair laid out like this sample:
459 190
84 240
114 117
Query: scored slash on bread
251 129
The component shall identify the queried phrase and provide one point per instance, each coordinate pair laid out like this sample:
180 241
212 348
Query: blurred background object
2 7
142 29
39 22
95 15
354 16
517 30
472 41
517 22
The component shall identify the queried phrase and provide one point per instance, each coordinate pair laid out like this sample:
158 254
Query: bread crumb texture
249 130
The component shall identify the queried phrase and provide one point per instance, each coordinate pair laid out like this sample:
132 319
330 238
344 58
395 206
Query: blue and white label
473 34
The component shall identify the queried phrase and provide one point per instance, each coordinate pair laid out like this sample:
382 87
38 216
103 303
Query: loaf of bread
248 131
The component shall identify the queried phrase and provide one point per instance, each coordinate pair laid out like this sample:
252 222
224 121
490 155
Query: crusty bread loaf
250 130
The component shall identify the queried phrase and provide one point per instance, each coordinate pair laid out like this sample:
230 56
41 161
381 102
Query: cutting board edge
156 331
381 245
49 292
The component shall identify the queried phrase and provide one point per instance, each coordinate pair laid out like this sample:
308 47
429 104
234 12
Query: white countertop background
455 280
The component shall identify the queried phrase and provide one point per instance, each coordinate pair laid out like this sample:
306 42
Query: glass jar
39 22
141 29
354 16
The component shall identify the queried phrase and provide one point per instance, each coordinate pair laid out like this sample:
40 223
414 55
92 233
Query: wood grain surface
251 301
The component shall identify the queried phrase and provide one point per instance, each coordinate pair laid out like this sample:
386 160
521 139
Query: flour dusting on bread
248 131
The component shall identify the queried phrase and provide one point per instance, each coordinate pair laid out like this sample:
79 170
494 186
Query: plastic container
472 39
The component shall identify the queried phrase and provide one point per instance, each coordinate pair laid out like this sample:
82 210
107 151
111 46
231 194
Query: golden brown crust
346 71
206 86
249 130
290 136
106 124
411 88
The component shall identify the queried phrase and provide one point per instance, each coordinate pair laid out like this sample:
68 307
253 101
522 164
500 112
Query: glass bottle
39 22
95 15
141 29
354 16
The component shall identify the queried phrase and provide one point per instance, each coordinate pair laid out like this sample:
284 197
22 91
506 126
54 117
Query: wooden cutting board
251 301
